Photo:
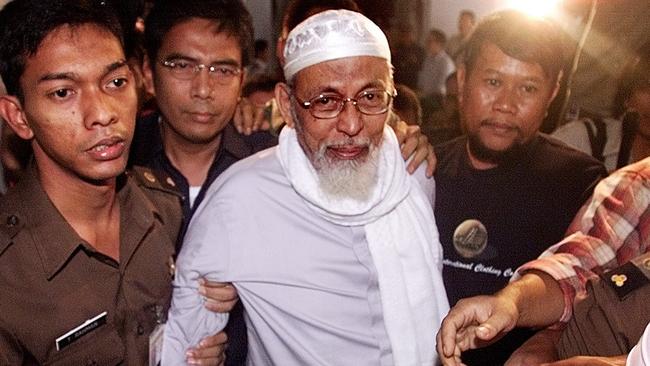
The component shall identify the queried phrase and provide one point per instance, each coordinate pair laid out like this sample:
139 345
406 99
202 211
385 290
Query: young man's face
79 103
196 109
502 101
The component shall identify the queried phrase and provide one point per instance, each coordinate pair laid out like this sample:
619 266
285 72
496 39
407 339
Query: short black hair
261 45
525 38
299 10
467 13
438 36
25 23
408 101
635 77
263 83
230 16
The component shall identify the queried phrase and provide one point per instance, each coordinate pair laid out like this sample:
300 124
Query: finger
244 117
219 306
217 290
260 120
210 351
211 361
432 162
218 339
422 151
401 131
248 117
237 119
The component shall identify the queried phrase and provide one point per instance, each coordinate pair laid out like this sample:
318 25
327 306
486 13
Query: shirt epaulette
10 225
152 179
629 277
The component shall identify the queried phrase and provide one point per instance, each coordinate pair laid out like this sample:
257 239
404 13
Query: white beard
343 179
352 179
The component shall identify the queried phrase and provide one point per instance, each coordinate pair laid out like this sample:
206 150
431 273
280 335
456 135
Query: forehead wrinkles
347 73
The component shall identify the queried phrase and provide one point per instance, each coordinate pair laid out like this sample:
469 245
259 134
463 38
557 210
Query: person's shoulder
157 187
450 153
247 175
11 223
559 155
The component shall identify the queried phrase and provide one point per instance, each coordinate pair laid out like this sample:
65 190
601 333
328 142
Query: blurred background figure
437 65
407 105
407 56
441 121
466 23
261 65
259 91
625 137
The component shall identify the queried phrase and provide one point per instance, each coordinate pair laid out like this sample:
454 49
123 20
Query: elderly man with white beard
331 245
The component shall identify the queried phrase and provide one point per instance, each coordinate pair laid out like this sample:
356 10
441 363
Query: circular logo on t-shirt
470 238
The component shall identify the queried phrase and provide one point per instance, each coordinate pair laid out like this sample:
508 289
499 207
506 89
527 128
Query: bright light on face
538 8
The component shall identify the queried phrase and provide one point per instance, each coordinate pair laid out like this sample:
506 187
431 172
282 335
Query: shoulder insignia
626 279
10 225
153 179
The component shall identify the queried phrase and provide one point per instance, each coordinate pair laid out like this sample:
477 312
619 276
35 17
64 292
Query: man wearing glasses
196 51
331 244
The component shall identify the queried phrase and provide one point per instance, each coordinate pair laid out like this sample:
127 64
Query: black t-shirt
525 206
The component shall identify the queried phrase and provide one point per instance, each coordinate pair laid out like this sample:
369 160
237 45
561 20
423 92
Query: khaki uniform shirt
52 281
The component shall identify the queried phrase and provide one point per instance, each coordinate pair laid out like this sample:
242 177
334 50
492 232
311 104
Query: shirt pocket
101 347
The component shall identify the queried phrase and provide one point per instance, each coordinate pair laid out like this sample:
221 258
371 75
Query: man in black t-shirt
504 191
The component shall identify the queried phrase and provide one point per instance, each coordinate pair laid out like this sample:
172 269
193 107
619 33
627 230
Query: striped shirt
612 228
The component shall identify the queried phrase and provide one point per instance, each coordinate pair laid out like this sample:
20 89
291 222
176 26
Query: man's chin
493 155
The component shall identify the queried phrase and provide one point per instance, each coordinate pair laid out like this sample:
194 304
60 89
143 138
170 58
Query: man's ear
11 111
147 73
283 98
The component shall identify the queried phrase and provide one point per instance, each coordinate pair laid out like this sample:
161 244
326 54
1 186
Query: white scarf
402 238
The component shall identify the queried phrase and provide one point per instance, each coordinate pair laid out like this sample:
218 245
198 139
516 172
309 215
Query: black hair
635 77
128 12
407 101
230 17
261 45
467 13
264 83
25 23
438 36
299 10
525 38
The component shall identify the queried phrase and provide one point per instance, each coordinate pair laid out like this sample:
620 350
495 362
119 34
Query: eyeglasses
186 70
369 102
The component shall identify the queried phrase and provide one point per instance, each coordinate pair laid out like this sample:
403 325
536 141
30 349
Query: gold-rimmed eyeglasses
329 105
186 70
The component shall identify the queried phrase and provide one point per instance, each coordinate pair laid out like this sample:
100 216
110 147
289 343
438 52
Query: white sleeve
205 254
640 354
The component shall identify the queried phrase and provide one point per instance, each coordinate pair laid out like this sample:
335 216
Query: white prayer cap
331 35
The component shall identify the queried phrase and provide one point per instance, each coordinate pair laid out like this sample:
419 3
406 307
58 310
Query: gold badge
150 177
619 280
170 181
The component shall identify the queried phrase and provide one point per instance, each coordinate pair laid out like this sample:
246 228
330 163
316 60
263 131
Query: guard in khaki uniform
610 320
85 249
52 280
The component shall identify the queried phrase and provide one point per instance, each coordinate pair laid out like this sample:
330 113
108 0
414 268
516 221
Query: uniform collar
53 237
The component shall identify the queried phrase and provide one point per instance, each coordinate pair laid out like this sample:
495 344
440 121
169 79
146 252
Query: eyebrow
375 84
531 78
180 56
73 75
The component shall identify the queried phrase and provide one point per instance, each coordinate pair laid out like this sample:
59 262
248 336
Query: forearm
538 297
